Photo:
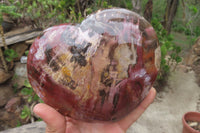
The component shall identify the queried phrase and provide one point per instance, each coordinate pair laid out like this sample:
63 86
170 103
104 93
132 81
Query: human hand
57 123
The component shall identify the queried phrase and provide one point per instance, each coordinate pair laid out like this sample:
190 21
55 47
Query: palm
57 123
74 126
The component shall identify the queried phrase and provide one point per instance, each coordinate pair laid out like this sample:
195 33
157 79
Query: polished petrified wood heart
98 70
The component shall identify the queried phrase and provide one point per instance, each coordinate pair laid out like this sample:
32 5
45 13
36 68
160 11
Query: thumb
54 120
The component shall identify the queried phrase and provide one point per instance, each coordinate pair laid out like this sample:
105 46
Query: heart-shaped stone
99 70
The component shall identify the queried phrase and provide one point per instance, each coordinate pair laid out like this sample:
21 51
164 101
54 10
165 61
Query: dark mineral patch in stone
131 56
117 19
78 58
86 48
115 100
54 65
49 57
78 54
35 71
72 85
102 93
69 82
138 87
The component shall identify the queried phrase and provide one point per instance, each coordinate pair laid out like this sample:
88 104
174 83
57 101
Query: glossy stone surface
99 70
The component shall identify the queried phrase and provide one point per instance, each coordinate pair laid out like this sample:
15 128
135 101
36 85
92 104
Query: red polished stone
99 70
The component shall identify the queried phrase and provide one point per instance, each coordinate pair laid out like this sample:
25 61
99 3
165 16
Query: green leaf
40 100
8 59
163 50
178 49
11 10
167 44
27 91
29 10
15 76
178 59
39 119
158 77
23 115
26 112
30 98
60 17
170 37
34 4
163 61
166 68
26 52
27 84
10 54
36 98
173 55
38 14
18 123
170 48
62 3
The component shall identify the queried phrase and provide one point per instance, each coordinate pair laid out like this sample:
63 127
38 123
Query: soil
194 125
184 42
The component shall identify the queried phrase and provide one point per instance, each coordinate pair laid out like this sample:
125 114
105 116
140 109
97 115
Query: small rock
23 59
8 120
193 124
6 92
4 75
5 116
13 104
20 75
20 69
18 82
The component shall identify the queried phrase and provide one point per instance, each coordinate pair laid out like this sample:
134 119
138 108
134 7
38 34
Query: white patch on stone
39 55
123 55
94 40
